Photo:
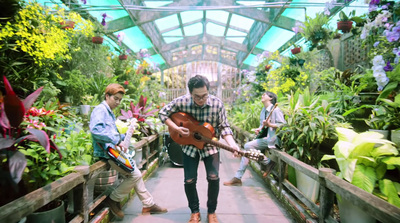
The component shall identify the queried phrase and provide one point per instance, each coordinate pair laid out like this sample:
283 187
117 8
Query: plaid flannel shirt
213 112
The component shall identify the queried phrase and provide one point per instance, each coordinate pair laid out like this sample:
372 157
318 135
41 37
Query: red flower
126 82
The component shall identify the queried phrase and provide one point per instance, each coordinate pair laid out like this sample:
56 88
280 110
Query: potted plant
14 135
67 24
369 162
296 49
307 134
315 30
345 22
141 112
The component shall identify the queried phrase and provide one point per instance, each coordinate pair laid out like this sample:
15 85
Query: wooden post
326 196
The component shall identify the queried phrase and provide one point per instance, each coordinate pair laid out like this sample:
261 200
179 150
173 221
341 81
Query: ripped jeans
190 166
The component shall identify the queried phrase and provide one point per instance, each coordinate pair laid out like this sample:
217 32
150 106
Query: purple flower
374 2
392 36
376 44
388 67
84 2
103 22
104 15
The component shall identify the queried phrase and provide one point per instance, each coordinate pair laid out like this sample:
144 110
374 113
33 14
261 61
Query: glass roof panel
274 38
214 29
51 3
194 29
218 15
112 14
241 22
233 32
167 22
135 39
157 3
156 59
189 16
236 39
174 35
251 60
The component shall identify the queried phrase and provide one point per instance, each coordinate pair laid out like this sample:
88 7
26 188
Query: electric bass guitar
264 131
203 133
122 159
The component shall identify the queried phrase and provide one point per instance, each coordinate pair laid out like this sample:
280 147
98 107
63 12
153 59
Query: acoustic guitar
201 133
264 131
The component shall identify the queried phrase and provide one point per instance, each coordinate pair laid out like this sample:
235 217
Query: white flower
378 60
377 68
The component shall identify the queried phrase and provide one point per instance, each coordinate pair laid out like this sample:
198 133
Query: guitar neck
221 145
128 135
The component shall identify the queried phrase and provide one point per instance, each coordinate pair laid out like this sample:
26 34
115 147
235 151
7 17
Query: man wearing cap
105 134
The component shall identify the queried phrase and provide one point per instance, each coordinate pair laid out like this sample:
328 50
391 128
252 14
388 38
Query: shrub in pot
369 162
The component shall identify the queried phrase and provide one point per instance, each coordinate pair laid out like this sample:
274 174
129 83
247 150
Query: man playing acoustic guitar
268 124
105 134
204 108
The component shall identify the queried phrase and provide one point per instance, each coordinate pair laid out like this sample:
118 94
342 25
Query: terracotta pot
345 26
123 57
296 50
67 24
97 40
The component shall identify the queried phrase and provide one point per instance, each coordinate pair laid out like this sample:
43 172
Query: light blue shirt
103 129
278 118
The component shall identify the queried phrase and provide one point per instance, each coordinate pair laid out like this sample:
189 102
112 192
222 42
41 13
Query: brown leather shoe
234 182
195 217
268 168
115 207
155 209
212 218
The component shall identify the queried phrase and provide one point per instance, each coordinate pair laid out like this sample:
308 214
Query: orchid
379 72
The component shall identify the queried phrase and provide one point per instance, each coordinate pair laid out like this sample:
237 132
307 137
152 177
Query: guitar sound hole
197 136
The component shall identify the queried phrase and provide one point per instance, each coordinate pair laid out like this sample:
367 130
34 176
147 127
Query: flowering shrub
33 45
382 34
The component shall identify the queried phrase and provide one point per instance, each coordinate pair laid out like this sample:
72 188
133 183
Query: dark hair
273 96
198 81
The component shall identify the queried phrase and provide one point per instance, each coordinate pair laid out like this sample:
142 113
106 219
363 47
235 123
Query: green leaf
364 178
386 149
389 190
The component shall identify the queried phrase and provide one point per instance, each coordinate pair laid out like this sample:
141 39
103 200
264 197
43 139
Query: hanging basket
67 24
123 57
345 26
97 39
296 50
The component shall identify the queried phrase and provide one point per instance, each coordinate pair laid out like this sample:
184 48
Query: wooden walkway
252 202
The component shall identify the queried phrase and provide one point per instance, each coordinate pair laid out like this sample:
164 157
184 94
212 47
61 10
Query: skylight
217 15
190 16
241 22
167 22
214 29
274 38
173 35
193 30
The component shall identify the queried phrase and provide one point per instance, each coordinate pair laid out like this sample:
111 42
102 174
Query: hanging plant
97 39
67 24
123 57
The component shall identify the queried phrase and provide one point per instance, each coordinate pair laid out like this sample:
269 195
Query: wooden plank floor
252 202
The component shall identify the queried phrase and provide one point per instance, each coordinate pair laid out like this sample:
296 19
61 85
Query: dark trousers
190 166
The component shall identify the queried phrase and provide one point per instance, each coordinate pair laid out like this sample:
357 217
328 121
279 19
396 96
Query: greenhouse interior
108 105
